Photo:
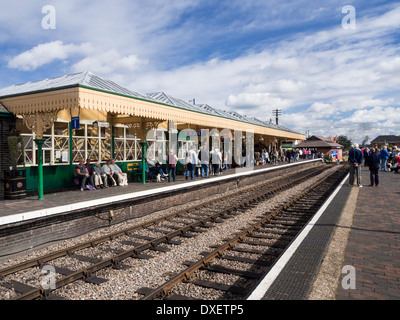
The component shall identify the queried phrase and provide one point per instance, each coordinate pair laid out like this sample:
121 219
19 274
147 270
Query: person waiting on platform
191 162
100 178
396 164
384 156
159 171
90 171
107 169
147 170
81 175
121 176
204 159
216 159
172 161
373 164
355 160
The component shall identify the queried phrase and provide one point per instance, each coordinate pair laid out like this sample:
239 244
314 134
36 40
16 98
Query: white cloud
316 77
109 62
46 53
255 100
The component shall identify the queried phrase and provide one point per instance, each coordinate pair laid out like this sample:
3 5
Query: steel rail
185 275
114 261
39 262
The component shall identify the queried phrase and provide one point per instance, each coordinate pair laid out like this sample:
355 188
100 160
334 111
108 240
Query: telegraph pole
277 113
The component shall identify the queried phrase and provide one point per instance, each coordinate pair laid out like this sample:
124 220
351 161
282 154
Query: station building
323 145
81 116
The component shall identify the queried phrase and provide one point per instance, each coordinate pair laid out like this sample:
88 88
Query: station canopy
41 102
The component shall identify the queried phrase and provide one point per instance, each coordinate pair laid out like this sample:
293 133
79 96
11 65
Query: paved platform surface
374 244
372 250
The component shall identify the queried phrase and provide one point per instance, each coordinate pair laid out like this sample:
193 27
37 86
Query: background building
386 140
323 145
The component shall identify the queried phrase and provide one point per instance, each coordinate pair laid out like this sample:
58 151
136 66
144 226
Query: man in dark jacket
373 163
355 159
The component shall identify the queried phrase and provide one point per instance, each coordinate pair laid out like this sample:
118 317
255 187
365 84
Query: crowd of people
89 177
289 155
203 163
377 160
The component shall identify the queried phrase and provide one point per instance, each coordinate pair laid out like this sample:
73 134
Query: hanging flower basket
16 147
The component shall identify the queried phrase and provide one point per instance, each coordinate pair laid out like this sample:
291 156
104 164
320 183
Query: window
157 145
55 148
126 144
87 142
61 143
91 142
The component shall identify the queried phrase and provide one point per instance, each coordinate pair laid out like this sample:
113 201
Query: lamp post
144 151
40 143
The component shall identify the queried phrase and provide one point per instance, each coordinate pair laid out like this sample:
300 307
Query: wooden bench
133 168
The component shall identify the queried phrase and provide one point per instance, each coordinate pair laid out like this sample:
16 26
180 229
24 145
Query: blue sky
248 56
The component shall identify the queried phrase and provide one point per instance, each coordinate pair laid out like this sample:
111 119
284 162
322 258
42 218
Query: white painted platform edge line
81 205
271 276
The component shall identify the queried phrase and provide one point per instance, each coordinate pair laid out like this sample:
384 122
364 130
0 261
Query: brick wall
7 123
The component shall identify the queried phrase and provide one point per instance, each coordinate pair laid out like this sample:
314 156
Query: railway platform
374 244
30 223
348 251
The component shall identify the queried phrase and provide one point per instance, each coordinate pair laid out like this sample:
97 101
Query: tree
345 142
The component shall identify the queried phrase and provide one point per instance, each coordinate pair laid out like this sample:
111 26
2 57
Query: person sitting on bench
109 171
158 170
147 170
122 177
81 174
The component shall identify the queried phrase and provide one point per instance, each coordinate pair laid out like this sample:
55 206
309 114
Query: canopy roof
86 90
85 79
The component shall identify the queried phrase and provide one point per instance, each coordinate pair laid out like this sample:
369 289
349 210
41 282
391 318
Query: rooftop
319 142
86 79
89 80
386 139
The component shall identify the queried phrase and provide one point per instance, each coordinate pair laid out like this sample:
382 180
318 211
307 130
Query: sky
332 69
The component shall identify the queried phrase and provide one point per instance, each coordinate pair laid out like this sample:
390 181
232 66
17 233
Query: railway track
186 223
271 235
